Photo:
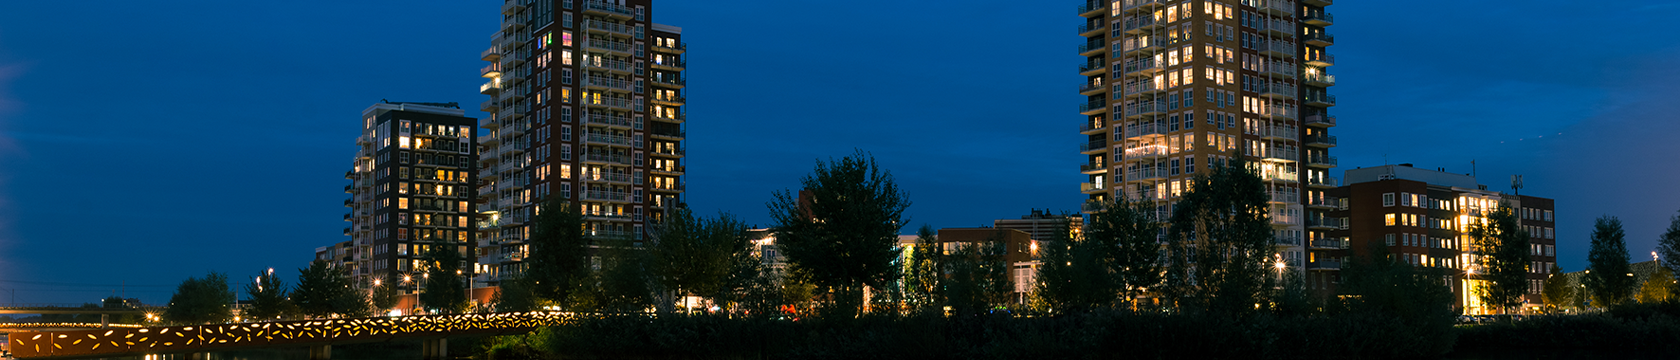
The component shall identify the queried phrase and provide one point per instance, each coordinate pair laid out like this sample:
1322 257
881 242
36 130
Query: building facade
1042 225
1175 88
586 106
411 191
1423 217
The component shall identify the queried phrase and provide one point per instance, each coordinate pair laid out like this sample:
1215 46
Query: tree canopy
267 294
1220 242
201 301
1504 247
323 291
446 287
559 255
841 229
1609 276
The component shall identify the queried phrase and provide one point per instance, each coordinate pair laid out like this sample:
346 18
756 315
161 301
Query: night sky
145 142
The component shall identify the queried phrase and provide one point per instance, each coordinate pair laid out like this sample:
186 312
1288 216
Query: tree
1380 283
1220 242
1659 286
977 276
267 297
1076 274
1503 245
925 268
622 284
559 256
323 292
842 229
1558 293
1609 277
1668 248
1128 232
384 296
516 295
201 301
445 286
698 256
745 269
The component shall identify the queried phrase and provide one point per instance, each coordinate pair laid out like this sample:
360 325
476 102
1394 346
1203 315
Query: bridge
318 335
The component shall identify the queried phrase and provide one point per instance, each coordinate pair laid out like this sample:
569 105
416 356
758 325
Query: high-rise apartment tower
412 191
586 107
1174 88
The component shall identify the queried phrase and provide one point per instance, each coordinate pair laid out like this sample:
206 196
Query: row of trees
1610 278
322 291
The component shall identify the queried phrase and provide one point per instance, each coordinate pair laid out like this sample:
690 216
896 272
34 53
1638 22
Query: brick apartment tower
1176 87
412 189
585 106
1422 217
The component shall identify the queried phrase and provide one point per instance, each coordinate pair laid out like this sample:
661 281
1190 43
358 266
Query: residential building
411 191
586 106
1422 217
1042 225
1175 88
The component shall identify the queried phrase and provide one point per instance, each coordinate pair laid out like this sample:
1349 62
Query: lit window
1388 219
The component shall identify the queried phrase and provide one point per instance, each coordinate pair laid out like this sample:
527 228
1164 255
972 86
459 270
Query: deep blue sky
151 141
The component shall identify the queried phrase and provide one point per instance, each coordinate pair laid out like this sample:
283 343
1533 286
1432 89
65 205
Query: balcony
1092 89
1089 30
1321 121
1276 111
512 7
1321 141
677 48
1092 69
674 170
1146 174
1324 183
606 139
610 103
1319 39
1095 9
350 189
668 188
490 88
1146 107
1146 152
1280 176
1093 109
1140 87
1283 196
1093 169
1281 220
1282 49
668 136
672 65
1280 29
1326 223
490 54
1144 44
1284 8
621 67
1323 60
1278 91
1091 206
670 83
494 70
1321 100
1146 131
1282 69
1319 3
1279 132
608 159
1332 244
609 46
597 26
1093 48
1327 202
1320 79
600 82
608 9
668 152
1131 5
1093 148
604 196
1287 241
1320 19
1090 188
1142 23
1140 67
676 118
488 106
1092 129
1282 155
670 100
1325 265
608 120
1325 162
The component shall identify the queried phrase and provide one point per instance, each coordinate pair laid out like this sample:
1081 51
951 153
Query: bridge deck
174 339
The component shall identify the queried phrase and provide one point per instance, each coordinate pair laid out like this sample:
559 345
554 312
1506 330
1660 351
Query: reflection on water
1550 354
348 353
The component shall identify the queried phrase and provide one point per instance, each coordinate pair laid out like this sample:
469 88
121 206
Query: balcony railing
607 139
673 48
609 120
1320 18
1325 265
1320 39
1090 187
1329 100
616 159
1135 130
606 82
618 103
623 48
1321 121
1285 196
1322 140
1092 108
616 28
1325 182
1137 87
1329 161
1146 107
1278 90
1093 146
1323 60
1148 151
1137 65
1320 79
1285 132
607 8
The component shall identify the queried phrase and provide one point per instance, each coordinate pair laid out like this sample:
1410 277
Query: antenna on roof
1517 184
